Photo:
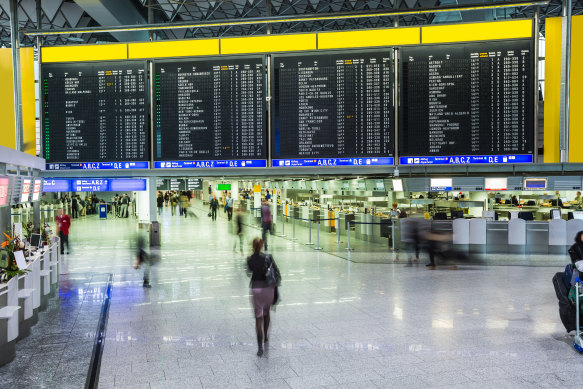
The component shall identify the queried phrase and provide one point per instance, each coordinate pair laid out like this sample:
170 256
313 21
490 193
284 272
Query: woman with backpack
265 278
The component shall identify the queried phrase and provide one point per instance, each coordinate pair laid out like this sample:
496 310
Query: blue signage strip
98 166
56 185
230 163
127 185
90 185
94 185
466 159
386 161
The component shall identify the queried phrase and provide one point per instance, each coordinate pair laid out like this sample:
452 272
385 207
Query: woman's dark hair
257 245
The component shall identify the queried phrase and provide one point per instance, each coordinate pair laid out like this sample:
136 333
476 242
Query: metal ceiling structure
64 14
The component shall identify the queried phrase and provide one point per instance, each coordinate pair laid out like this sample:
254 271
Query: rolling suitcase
566 309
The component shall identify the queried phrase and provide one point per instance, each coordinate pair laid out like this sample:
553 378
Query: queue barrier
310 243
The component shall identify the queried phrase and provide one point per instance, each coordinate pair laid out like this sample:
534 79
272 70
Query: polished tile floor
340 324
58 351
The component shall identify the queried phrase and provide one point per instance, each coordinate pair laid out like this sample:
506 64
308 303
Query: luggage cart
578 341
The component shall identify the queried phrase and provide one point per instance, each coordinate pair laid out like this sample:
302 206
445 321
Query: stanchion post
294 227
393 233
283 225
310 233
338 230
348 232
318 238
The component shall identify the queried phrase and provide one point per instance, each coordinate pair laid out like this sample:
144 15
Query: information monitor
467 103
210 113
94 115
333 109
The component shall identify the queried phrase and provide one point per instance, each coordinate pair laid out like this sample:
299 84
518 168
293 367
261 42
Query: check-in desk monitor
35 240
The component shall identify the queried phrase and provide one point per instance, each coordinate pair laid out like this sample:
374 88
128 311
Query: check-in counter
376 236
497 236
23 296
515 236
537 237
313 215
345 218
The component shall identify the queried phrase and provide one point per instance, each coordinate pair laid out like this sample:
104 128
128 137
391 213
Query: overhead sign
496 183
36 191
398 185
56 185
97 185
331 162
535 184
98 166
25 192
4 183
210 164
440 184
466 160
194 184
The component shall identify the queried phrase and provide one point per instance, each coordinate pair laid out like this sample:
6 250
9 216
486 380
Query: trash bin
155 234
103 211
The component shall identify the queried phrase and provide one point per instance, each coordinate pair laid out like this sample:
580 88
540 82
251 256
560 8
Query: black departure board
333 105
94 112
211 109
467 99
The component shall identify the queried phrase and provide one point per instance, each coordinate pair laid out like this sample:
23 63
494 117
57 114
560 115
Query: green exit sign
223 186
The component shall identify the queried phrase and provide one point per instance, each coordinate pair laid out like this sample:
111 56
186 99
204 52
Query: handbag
271 274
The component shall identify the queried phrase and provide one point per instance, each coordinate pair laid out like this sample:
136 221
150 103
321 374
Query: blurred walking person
63 222
265 222
160 203
184 203
265 278
238 231
214 205
229 206
143 261
173 203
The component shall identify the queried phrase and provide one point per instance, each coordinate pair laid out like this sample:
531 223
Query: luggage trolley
578 341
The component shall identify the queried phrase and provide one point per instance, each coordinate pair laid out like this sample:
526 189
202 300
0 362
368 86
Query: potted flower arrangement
8 266
46 233
29 228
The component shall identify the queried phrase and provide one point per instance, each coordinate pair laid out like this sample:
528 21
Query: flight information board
94 112
333 109
467 103
209 110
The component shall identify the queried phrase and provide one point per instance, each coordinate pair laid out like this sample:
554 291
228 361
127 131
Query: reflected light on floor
442 323
398 313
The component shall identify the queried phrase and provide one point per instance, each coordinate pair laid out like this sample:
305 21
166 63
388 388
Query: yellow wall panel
512 29
168 49
369 38
6 99
268 44
7 137
552 89
576 112
85 53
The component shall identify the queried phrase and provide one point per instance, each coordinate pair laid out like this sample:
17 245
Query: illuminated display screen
331 109
4 184
25 190
94 112
209 110
467 103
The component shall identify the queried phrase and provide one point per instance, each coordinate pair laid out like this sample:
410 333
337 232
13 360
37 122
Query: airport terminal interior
291 194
